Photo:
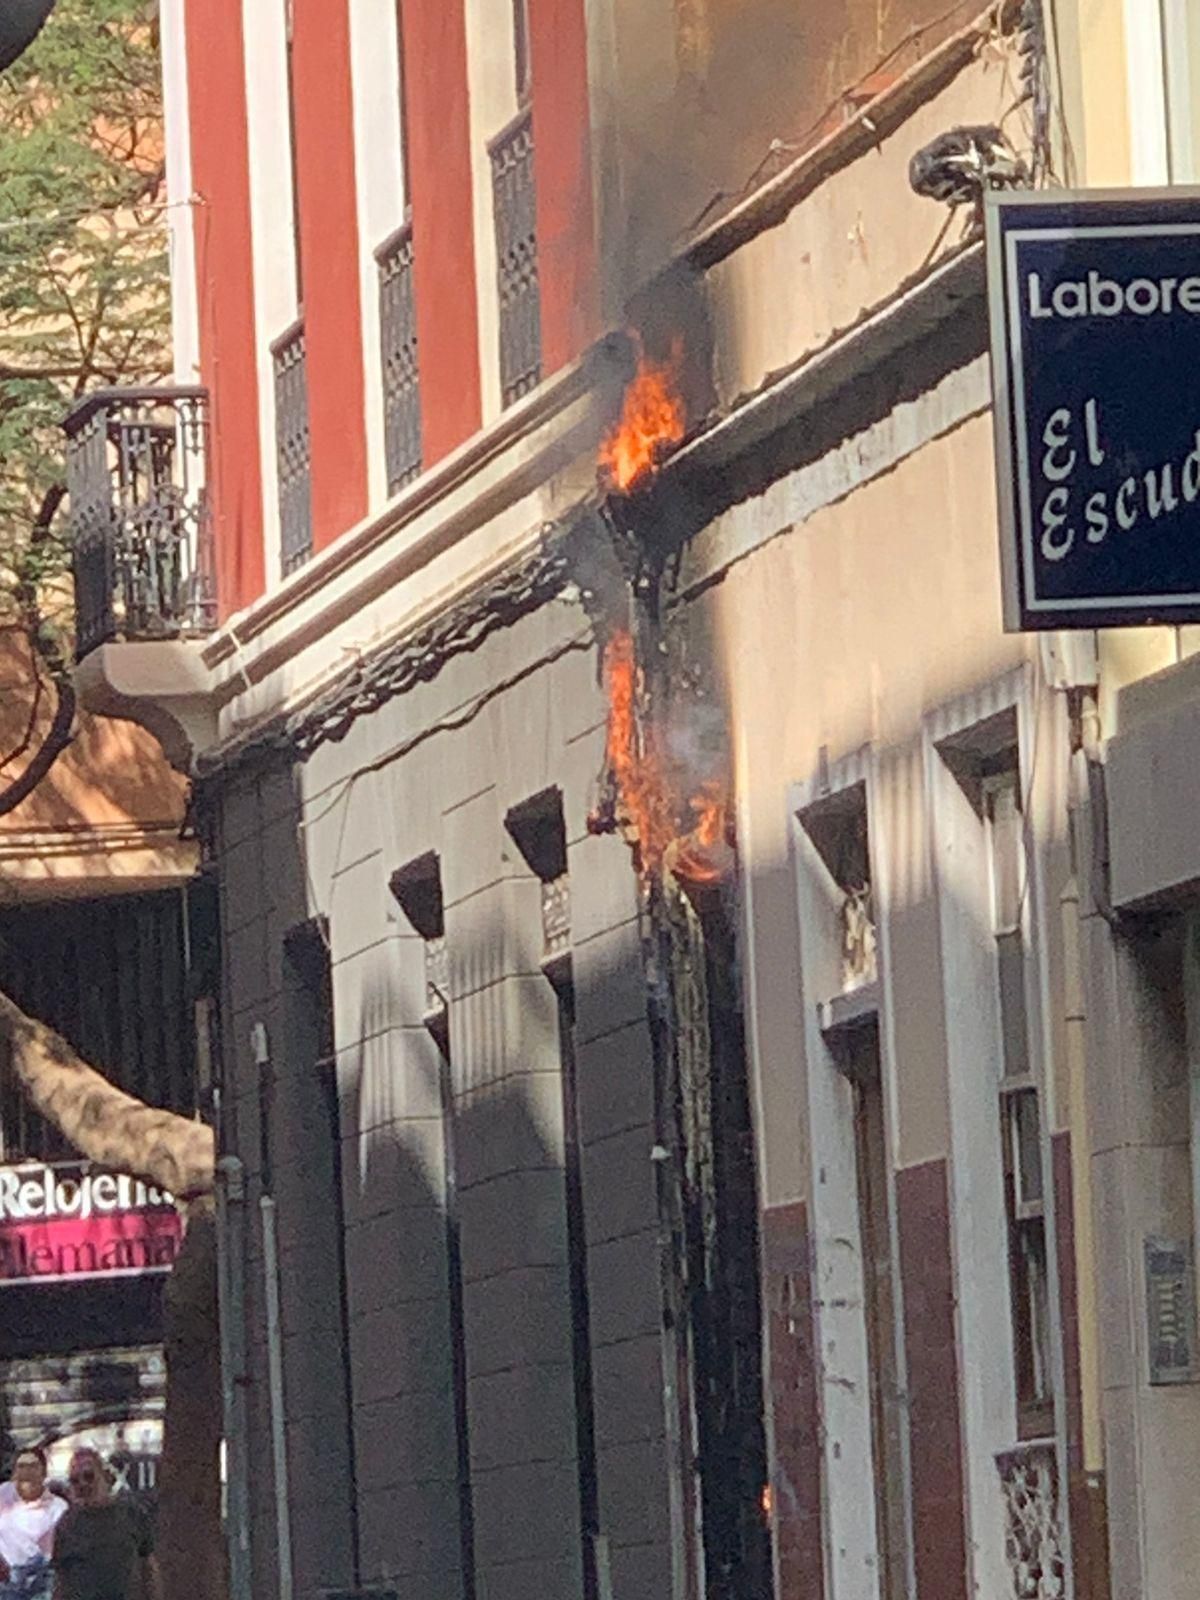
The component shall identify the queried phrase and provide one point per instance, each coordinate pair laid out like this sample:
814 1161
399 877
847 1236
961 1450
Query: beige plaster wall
849 245
1092 135
108 813
693 99
847 631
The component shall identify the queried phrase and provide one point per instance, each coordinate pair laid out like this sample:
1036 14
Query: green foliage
83 257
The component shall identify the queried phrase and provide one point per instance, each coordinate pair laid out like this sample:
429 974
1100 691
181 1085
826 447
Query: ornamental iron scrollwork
1033 1542
140 516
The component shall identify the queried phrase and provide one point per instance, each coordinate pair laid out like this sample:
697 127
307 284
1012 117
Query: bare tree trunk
105 1124
191 1547
116 1130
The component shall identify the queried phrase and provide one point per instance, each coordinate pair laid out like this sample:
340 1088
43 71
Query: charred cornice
898 350
575 556
927 328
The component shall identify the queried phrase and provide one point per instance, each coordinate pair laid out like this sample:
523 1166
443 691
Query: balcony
401 373
140 532
515 207
293 448
145 590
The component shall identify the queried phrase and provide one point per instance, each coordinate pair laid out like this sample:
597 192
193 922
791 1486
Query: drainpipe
279 1461
1087 1301
1191 1002
1088 950
231 1285
279 1453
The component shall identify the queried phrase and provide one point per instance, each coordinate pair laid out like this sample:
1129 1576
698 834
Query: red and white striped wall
260 188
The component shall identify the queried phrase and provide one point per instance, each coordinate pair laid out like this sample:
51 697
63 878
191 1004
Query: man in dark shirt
104 1545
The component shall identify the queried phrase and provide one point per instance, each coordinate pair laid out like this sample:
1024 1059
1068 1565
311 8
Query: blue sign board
1095 305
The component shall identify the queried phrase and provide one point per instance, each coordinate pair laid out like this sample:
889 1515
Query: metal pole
1191 1002
231 1284
283 1516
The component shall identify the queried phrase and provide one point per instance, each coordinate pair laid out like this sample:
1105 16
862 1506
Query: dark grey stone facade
376 1442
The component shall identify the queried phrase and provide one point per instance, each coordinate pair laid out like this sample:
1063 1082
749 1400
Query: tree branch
35 374
31 720
47 511
58 737
105 1124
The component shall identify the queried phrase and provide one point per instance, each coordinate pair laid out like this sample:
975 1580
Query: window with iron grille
516 258
1020 1113
401 378
293 449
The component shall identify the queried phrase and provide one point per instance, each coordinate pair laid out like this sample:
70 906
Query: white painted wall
181 215
275 290
1149 159
961 871
379 171
491 80
843 1364
1181 56
1044 744
882 778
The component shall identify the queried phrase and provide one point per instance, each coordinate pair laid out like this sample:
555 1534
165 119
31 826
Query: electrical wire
56 219
1070 164
802 141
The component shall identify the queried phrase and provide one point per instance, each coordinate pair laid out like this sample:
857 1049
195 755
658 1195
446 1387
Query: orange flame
704 855
652 419
701 856
636 770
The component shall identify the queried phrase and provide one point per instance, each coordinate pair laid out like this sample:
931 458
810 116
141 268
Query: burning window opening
642 803
705 855
653 418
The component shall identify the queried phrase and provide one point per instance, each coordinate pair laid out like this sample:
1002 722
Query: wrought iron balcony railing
1033 1539
293 448
139 515
515 203
401 373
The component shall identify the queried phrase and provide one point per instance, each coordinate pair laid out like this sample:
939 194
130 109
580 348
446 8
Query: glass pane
1010 973
1007 853
1025 1125
1033 1251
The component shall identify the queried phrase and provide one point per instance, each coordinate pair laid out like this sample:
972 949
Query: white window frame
381 197
272 236
850 1535
1179 45
961 874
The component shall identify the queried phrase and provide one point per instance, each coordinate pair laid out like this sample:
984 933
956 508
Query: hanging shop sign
1095 310
67 1222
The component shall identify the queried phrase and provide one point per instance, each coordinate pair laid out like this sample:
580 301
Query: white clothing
27 1526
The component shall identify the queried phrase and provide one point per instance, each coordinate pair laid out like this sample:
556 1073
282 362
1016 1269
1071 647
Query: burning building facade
655 1071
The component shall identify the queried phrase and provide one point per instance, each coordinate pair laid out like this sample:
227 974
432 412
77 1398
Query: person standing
29 1514
104 1545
